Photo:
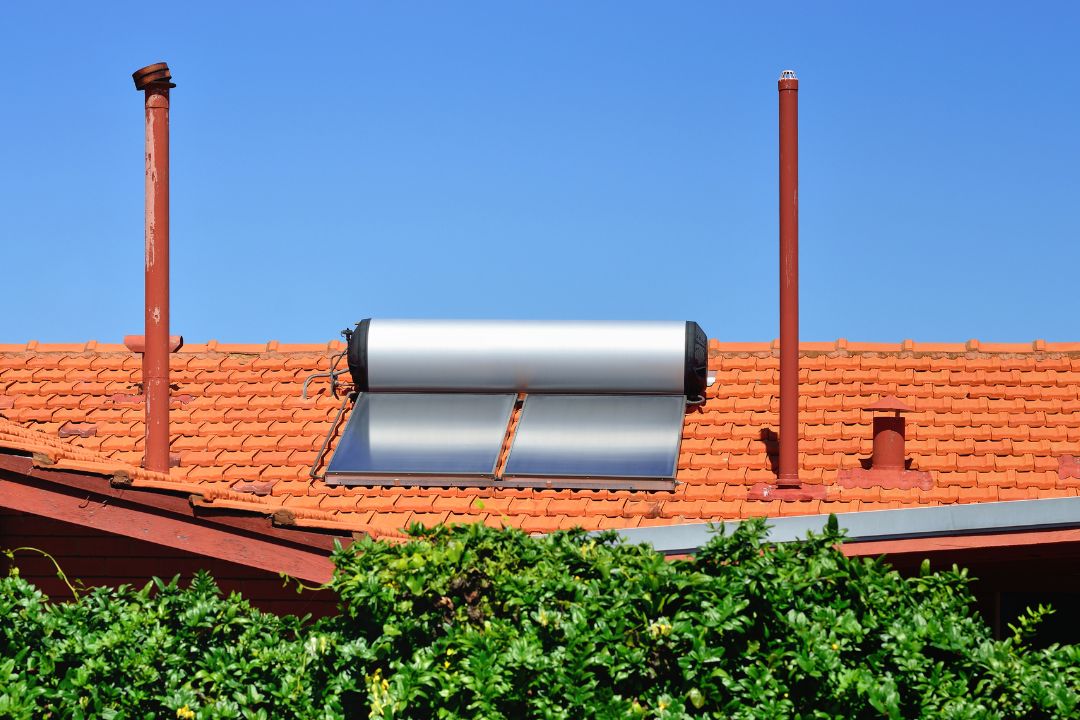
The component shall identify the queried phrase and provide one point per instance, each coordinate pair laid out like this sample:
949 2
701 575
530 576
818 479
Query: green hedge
472 622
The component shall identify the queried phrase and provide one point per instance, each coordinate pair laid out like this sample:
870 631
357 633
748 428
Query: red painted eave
164 519
1046 540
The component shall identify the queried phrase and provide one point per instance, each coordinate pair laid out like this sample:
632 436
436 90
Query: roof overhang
944 527
165 519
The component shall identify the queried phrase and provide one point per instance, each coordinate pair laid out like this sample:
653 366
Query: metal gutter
876 525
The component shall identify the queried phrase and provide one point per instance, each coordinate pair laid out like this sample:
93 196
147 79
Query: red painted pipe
788 87
154 80
888 443
889 434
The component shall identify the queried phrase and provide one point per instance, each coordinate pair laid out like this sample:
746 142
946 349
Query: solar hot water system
576 404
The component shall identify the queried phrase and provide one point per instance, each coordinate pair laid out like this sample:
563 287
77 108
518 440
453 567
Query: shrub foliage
467 621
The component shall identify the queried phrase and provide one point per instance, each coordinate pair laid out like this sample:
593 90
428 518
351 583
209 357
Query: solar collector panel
597 436
391 434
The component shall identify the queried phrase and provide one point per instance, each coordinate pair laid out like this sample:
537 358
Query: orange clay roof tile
990 422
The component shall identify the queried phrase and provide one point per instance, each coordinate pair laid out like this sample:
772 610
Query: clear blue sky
545 160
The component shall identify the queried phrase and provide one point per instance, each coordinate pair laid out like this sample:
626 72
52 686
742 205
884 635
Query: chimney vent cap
889 403
151 74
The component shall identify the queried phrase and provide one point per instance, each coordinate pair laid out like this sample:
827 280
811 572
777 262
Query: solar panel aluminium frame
633 438
410 439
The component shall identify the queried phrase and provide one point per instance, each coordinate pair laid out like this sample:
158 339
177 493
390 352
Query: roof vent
788 470
888 433
155 81
888 465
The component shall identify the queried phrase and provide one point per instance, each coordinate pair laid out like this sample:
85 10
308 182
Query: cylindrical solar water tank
529 356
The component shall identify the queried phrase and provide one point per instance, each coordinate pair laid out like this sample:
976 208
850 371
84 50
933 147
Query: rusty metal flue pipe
788 88
155 81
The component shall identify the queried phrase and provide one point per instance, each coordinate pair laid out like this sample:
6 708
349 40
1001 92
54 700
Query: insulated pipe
154 81
788 88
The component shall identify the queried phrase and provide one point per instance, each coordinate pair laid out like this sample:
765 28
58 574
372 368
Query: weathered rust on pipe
788 88
155 81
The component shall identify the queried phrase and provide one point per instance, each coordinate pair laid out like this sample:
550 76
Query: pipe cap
889 403
151 74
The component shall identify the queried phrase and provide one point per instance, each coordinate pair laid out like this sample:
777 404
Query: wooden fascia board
176 504
949 543
114 511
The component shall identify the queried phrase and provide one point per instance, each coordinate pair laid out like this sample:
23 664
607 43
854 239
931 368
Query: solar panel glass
616 436
422 434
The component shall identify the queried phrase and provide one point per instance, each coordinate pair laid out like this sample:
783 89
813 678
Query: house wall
1008 580
99 558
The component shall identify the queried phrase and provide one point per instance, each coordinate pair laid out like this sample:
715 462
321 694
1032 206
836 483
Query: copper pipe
154 81
788 88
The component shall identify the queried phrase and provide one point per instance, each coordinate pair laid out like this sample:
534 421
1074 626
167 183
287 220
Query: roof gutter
877 525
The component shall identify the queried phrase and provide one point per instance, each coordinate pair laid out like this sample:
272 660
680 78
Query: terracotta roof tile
991 421
376 503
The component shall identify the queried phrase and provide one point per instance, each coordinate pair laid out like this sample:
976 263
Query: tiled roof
990 422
